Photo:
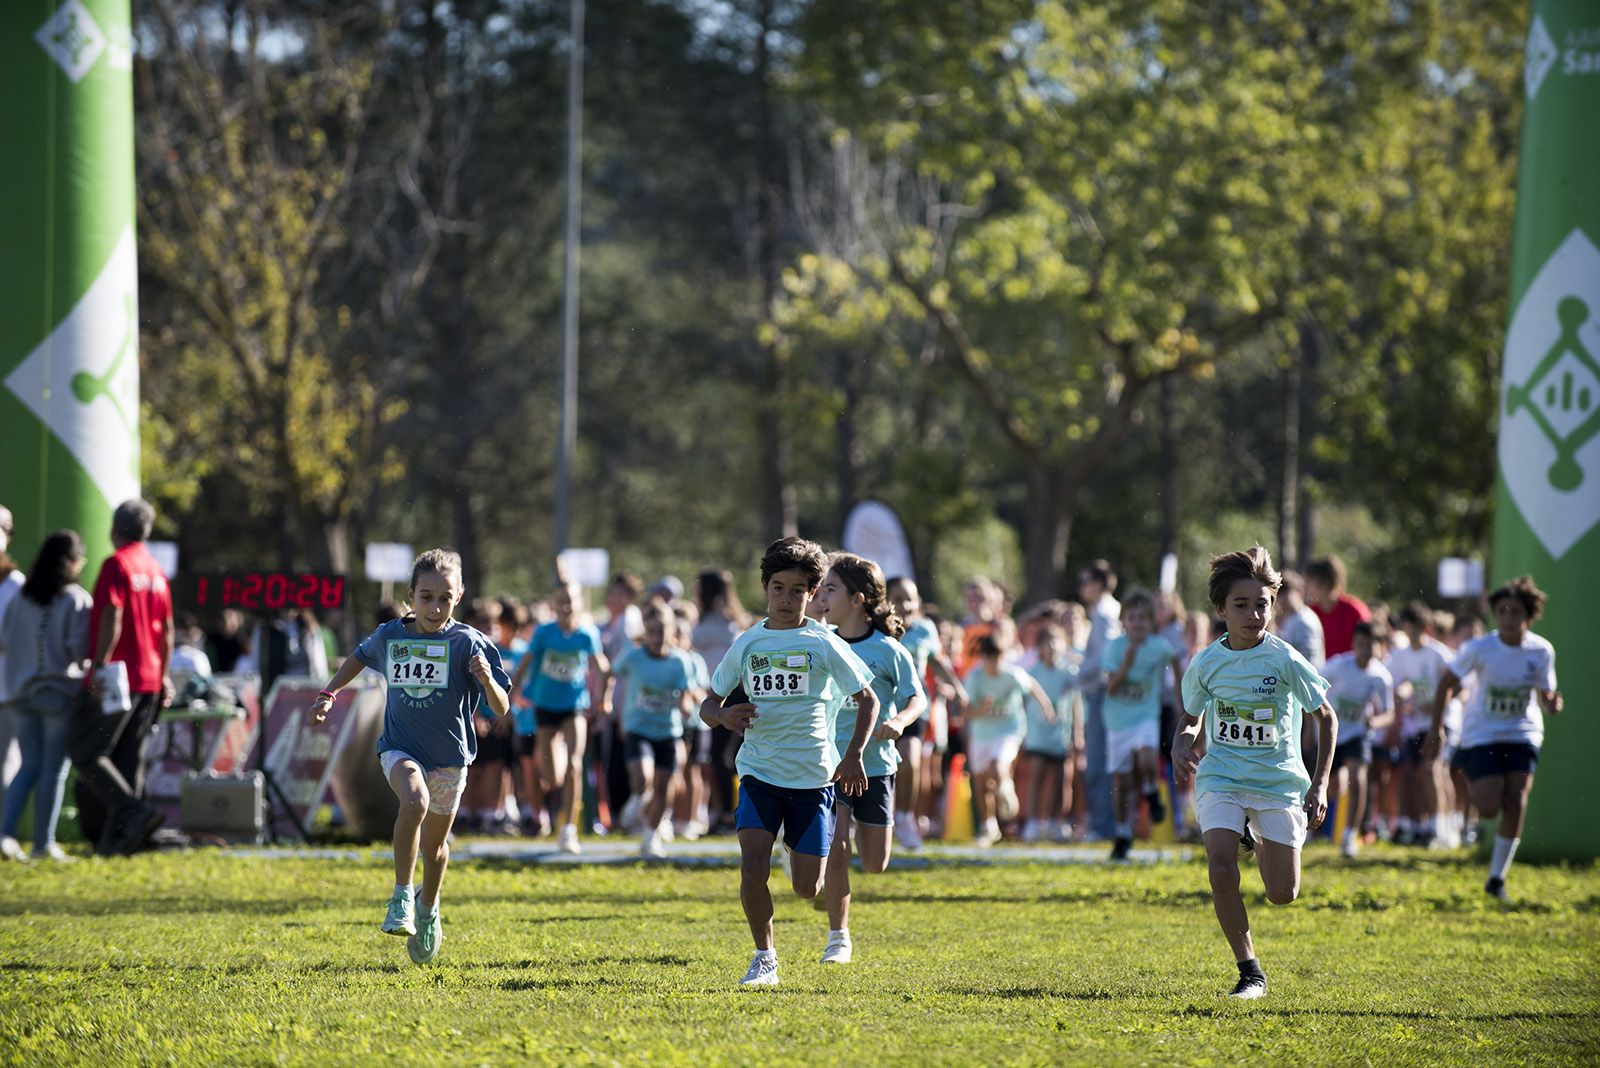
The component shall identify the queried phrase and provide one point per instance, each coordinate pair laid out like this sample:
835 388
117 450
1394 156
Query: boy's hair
795 554
1330 571
446 563
1140 599
514 611
1523 589
1444 622
1416 612
629 581
1252 563
991 644
662 611
865 577
1375 631
1102 571
1292 582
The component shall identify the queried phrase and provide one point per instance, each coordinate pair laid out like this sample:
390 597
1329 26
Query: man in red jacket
1338 611
130 625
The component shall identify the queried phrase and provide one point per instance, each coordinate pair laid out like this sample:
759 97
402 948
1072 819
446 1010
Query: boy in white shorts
1361 692
996 724
1135 662
1249 691
439 672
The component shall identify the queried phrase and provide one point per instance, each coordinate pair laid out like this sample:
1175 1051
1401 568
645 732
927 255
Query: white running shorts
1271 818
1121 745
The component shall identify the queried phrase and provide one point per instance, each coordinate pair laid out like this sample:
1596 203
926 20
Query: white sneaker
629 818
1350 846
651 846
1031 831
12 849
665 829
55 853
788 865
694 830
1005 800
763 971
569 840
906 831
989 835
1061 831
838 951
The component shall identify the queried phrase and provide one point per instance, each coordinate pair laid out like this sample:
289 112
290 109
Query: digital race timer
269 590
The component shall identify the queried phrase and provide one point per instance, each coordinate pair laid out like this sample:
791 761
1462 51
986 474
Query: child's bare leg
755 866
410 786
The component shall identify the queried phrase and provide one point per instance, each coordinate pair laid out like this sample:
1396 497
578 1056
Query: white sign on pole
873 530
587 567
389 561
1460 577
1169 572
166 554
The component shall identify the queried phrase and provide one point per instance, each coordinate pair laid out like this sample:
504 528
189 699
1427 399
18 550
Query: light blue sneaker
424 945
401 917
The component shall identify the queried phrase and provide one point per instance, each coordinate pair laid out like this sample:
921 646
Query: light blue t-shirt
921 640
1007 690
1060 682
1138 699
510 656
558 667
795 678
652 692
699 679
894 682
432 694
1251 702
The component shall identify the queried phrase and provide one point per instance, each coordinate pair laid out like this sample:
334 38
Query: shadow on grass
1026 993
1514 1016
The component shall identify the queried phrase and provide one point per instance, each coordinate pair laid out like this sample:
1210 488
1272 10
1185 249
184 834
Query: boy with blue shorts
793 672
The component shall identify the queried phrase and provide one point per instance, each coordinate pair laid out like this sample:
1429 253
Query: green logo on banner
1550 426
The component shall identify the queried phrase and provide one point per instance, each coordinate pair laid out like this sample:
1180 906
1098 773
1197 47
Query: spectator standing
45 635
1336 610
1096 584
131 625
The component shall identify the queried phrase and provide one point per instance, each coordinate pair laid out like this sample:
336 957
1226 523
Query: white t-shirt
1421 666
1355 692
10 586
1504 706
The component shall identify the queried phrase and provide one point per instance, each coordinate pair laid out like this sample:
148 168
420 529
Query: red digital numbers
269 590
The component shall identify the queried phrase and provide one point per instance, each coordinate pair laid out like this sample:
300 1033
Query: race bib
778 675
419 664
563 667
1507 702
1245 727
1132 691
656 701
1348 711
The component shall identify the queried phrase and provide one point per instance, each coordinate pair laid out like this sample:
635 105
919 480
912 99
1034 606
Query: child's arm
893 727
1551 701
945 672
1327 738
499 702
1384 700
1037 693
1116 678
522 669
734 717
343 677
1185 761
1449 683
851 774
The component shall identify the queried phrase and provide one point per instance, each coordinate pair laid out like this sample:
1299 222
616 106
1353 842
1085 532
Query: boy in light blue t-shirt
790 673
1135 664
1249 691
655 681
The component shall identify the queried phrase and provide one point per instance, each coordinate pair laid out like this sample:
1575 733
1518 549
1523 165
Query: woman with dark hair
45 635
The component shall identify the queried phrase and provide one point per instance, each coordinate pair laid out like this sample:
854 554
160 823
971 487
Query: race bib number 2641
1245 728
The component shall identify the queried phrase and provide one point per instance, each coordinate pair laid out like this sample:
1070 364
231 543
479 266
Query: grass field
1397 958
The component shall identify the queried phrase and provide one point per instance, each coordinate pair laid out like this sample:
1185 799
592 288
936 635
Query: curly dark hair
1523 589
795 554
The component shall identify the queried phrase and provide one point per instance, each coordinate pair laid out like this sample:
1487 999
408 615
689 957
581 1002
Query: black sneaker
1120 847
1158 809
1249 987
1247 845
1496 888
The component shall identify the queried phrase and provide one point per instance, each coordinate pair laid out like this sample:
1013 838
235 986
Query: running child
1417 670
1361 692
1504 724
439 672
1048 743
995 727
921 640
854 599
1135 662
795 673
1248 691
655 680
556 667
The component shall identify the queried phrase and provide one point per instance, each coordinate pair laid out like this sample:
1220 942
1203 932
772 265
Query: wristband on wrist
329 694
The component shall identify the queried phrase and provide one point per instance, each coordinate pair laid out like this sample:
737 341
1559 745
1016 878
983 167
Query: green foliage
200 957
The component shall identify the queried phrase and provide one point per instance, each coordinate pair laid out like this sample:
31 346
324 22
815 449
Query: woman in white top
1504 723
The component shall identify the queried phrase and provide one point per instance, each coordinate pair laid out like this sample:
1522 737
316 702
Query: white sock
1349 835
427 908
403 888
768 954
843 932
1504 850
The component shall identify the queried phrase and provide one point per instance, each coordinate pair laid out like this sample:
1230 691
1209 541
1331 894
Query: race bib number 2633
778 675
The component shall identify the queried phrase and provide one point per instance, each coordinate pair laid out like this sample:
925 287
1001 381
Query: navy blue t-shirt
432 695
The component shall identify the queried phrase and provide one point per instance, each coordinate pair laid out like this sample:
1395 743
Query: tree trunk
847 456
1045 536
778 451
1311 354
1289 484
1169 469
